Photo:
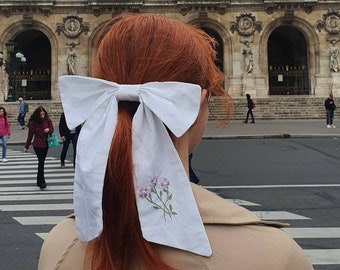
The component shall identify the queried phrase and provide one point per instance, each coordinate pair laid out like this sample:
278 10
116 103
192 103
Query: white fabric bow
167 208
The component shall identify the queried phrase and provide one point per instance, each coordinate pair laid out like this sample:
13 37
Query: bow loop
176 104
81 96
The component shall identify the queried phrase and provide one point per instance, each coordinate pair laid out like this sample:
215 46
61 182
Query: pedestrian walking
67 136
250 106
5 132
39 126
135 207
23 109
330 108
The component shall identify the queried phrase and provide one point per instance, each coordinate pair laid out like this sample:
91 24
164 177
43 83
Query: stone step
278 107
272 107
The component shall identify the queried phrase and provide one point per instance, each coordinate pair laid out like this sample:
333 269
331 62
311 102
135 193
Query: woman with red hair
143 113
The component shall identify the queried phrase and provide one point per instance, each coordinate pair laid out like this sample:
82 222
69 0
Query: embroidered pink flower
165 182
143 192
154 181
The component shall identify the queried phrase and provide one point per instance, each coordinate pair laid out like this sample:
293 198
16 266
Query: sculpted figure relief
333 58
71 59
248 56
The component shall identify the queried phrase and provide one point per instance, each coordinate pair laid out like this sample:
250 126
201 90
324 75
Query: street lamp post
11 65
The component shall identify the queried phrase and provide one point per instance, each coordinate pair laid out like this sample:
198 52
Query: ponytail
121 238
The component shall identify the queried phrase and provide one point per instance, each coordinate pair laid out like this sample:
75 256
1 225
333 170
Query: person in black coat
330 108
250 105
67 136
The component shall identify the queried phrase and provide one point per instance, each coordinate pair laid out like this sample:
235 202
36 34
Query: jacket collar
216 210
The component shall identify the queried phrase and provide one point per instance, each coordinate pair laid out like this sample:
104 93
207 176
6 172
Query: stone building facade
266 48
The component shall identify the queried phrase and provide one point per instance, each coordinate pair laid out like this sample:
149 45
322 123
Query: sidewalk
237 130
271 129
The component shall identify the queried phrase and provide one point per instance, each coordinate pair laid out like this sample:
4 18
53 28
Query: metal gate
288 80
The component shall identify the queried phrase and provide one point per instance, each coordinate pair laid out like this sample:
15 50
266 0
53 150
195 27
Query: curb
269 136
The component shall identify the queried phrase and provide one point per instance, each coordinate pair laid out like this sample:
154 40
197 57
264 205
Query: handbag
52 140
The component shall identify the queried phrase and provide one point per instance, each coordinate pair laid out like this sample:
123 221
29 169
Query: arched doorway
287 62
33 79
219 48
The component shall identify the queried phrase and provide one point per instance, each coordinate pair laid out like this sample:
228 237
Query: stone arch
312 47
95 38
218 31
39 45
93 43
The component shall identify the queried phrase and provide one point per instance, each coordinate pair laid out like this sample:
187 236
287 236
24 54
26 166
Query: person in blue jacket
22 112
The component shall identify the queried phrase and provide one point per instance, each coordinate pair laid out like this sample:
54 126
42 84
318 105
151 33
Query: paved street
28 214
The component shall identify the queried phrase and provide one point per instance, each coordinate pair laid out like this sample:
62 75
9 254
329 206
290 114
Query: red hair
139 49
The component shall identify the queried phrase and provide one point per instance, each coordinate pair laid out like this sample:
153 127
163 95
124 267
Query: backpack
26 107
253 105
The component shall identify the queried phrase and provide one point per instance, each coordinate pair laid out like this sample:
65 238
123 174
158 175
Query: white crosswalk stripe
323 256
30 206
313 233
59 180
36 207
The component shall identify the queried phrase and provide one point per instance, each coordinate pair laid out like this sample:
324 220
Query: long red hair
138 49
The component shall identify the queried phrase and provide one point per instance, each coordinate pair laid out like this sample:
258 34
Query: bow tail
92 153
167 208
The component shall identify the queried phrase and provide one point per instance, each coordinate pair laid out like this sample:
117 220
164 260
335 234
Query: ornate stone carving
330 22
270 7
96 11
289 15
202 17
184 9
186 6
245 25
27 19
72 26
46 11
306 7
222 9
7 12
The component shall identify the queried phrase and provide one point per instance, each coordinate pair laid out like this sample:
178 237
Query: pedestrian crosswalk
26 203
30 206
